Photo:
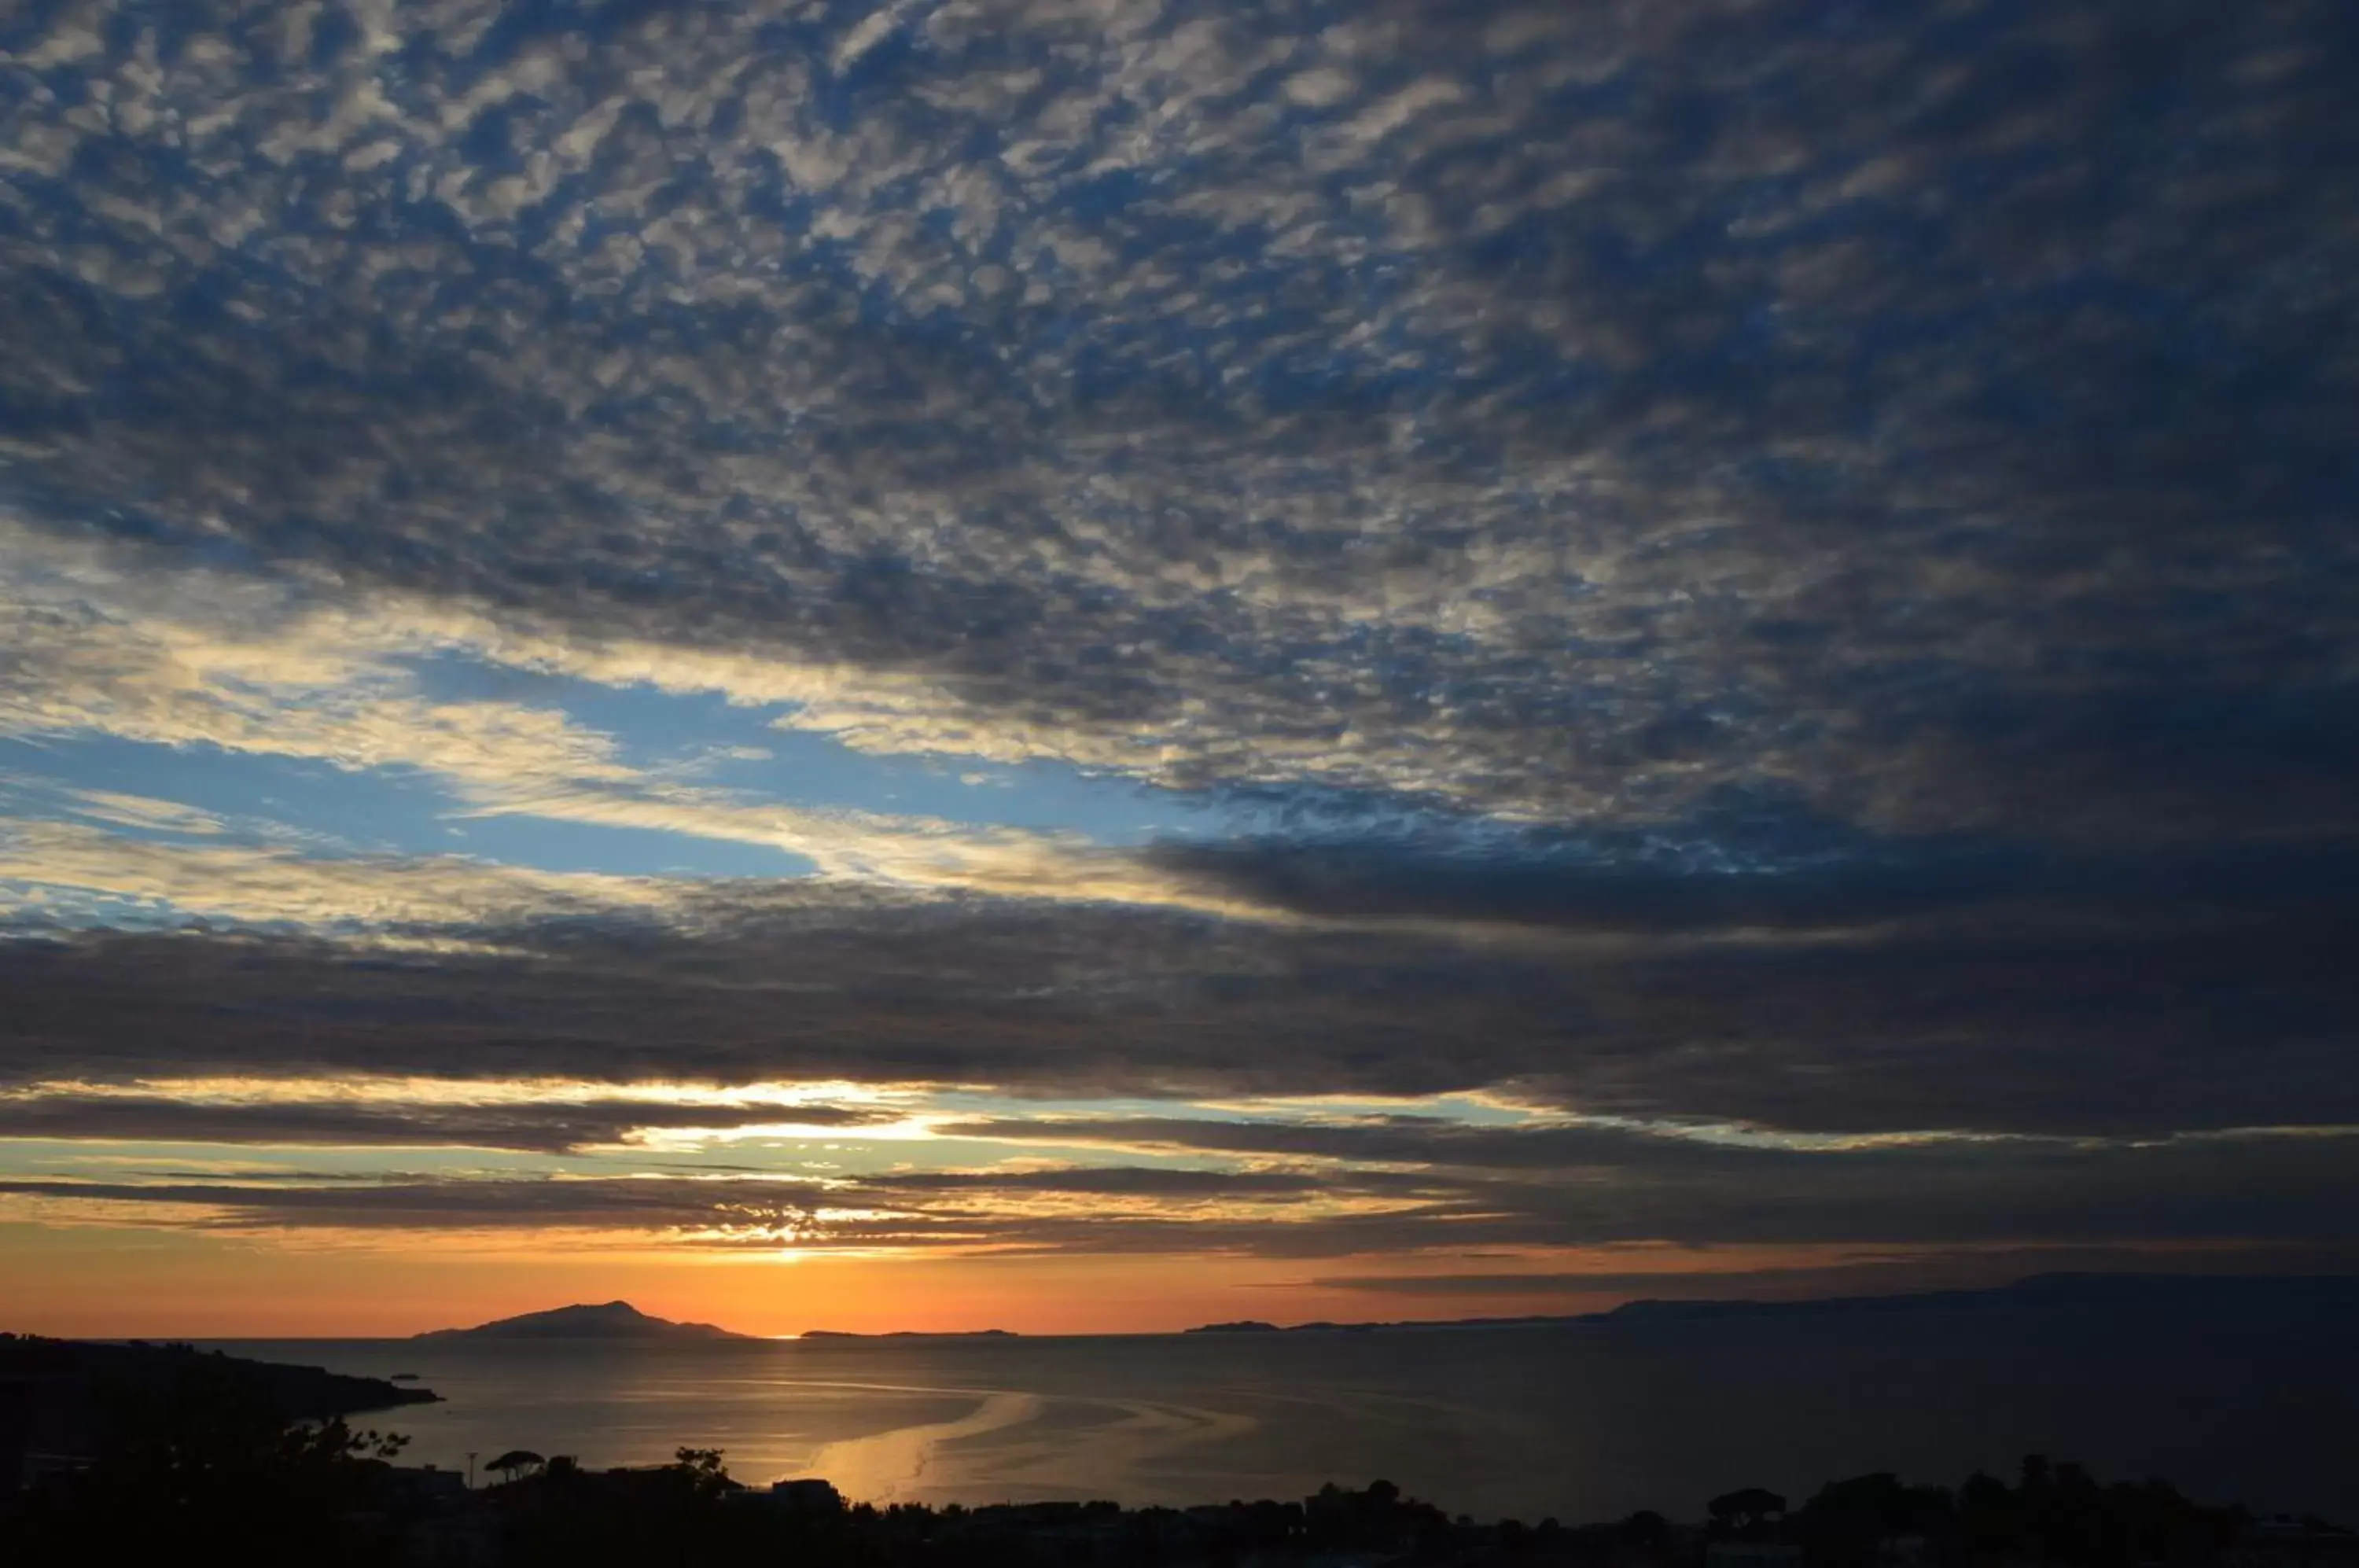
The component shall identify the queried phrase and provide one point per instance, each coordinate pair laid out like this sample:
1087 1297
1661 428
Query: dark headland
2115 1293
606 1321
59 1375
64 1402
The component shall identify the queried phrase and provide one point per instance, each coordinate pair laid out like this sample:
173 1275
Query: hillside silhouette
608 1320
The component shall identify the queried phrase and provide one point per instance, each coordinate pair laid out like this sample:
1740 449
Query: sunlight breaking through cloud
1321 628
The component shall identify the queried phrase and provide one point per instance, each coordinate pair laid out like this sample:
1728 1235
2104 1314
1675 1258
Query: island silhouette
910 1334
604 1321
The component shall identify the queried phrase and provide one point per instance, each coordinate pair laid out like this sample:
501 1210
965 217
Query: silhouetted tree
703 1471
1986 1514
2057 1513
1841 1525
1746 1512
516 1462
204 1465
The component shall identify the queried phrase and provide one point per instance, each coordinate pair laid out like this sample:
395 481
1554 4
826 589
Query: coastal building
2280 1542
416 1487
806 1494
1752 1554
1907 1552
16 1429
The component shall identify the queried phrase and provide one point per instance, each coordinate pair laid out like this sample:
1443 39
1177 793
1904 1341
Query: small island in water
605 1321
909 1334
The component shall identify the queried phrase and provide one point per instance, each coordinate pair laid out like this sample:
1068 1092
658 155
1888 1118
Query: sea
1577 1421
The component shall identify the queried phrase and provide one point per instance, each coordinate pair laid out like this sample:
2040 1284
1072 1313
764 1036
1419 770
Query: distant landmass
619 1321
610 1319
910 1334
2112 1292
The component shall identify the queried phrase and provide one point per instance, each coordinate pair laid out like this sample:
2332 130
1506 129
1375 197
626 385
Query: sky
1091 665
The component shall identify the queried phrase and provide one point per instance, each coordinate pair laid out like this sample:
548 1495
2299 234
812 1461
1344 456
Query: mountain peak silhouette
606 1320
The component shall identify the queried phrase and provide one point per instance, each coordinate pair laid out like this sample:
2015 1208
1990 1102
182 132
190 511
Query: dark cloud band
2269 1195
2006 1026
550 1126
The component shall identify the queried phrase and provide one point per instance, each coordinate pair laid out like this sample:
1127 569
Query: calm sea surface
1585 1421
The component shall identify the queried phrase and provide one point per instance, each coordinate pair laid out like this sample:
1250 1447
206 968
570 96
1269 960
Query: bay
1578 1421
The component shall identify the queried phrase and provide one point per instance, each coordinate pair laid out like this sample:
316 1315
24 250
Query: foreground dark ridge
196 1479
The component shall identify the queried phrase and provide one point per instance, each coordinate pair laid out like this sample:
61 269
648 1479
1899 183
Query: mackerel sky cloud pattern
1648 599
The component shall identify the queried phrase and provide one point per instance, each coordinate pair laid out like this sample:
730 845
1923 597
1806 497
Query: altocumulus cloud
1553 411
1742 564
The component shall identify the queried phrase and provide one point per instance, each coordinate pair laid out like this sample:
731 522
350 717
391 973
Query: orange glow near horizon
124 1282
117 1283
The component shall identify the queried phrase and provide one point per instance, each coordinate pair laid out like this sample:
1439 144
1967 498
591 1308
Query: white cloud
56 865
